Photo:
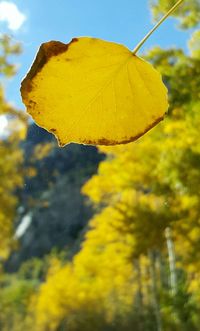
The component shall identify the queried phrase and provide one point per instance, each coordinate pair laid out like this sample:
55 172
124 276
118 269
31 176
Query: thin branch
136 49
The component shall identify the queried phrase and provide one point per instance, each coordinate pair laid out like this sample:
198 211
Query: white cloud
10 14
3 124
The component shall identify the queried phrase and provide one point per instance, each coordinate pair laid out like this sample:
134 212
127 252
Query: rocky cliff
52 211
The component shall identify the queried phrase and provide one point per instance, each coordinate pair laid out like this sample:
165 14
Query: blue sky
124 22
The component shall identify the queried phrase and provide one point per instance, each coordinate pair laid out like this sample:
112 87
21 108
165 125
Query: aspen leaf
92 91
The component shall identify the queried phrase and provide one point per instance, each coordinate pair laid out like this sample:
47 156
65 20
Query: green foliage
194 44
7 49
188 13
15 295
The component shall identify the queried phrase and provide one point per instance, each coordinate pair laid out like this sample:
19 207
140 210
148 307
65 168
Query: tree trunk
172 261
155 296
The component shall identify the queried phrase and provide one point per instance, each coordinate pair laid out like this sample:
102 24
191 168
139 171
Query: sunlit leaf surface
92 91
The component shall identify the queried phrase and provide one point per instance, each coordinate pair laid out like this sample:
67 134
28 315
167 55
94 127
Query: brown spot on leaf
74 40
106 142
31 102
60 143
28 85
45 52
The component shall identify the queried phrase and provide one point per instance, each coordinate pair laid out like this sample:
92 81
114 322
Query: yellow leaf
92 91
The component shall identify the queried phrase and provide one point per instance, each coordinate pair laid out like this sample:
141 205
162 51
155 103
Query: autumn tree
10 153
154 182
139 263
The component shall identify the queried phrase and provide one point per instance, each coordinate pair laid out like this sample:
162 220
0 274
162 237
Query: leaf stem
136 49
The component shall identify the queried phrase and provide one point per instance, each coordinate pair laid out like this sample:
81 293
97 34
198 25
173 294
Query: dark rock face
53 200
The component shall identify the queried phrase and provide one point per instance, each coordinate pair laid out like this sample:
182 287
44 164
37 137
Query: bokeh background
103 239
